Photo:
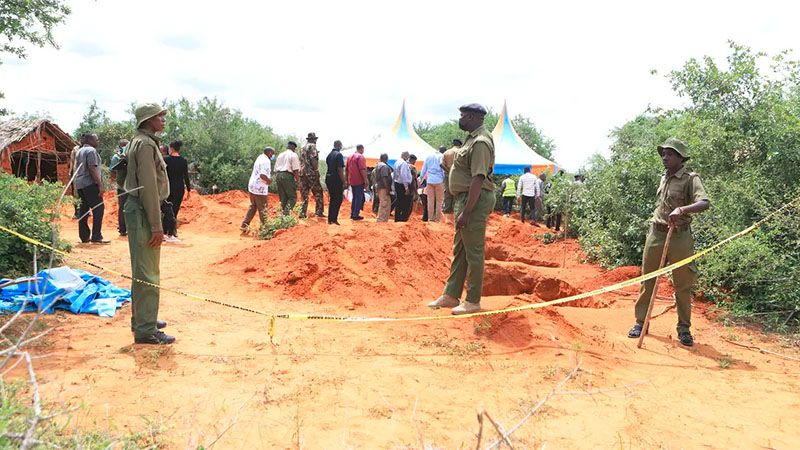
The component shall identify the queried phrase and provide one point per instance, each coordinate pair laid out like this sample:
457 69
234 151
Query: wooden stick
652 302
499 428
480 429
762 350
664 311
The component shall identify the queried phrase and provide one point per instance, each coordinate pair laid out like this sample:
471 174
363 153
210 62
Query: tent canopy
401 137
512 154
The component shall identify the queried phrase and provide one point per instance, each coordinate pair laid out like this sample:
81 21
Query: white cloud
342 69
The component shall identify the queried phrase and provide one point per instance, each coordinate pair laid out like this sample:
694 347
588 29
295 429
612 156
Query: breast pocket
676 197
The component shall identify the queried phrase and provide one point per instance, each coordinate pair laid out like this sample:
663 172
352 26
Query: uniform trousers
145 267
469 245
681 246
287 191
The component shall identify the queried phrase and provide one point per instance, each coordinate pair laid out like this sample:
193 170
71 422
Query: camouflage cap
675 144
147 111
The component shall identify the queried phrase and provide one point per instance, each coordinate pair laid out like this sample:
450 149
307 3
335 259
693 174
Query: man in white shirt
258 188
527 190
287 174
402 184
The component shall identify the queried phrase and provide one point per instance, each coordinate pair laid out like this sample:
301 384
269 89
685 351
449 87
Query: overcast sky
343 68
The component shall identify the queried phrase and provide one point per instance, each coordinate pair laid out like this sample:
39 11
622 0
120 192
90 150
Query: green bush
742 126
268 230
27 208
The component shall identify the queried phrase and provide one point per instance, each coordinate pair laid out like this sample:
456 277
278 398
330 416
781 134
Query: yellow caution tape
128 277
291 316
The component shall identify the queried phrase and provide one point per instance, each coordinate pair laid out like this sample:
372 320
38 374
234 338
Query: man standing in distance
526 194
147 186
89 184
473 190
258 188
433 174
309 177
680 194
335 181
119 165
402 188
287 168
358 180
447 163
383 186
509 192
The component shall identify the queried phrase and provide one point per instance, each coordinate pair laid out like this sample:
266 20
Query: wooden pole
646 325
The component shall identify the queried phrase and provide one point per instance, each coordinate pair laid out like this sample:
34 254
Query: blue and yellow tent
401 137
512 154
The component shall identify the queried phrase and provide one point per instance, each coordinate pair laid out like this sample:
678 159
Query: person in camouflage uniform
309 177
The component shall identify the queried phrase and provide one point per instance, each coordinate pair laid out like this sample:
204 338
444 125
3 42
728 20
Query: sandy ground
413 384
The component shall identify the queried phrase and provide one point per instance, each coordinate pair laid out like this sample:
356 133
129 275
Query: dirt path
361 385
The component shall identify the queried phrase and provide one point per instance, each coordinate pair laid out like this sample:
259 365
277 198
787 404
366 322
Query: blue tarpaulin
63 288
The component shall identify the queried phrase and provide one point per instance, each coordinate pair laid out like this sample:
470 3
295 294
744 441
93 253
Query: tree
109 133
220 142
27 21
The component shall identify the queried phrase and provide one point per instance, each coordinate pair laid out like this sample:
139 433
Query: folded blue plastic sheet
63 288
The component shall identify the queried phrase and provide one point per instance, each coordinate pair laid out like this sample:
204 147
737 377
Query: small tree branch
539 405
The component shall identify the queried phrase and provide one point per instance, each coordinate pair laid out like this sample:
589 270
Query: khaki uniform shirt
475 157
287 161
681 189
146 168
447 163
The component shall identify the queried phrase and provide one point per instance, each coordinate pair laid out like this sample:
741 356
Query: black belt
664 228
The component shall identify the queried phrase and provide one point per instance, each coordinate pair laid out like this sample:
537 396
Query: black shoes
161 324
686 338
159 338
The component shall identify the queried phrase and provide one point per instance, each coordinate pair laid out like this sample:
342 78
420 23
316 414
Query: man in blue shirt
433 174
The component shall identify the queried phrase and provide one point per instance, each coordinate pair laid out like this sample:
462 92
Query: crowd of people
395 189
456 185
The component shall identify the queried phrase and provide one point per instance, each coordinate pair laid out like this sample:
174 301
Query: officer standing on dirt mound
309 177
473 191
147 185
680 194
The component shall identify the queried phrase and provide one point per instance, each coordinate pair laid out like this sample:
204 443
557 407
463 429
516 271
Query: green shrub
27 208
268 230
742 127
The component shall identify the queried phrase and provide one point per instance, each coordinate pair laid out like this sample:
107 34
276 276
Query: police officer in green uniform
680 194
147 185
472 187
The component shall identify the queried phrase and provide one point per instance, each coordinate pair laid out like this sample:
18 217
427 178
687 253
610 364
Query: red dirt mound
364 265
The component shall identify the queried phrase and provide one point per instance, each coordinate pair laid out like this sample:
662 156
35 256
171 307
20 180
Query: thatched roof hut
35 149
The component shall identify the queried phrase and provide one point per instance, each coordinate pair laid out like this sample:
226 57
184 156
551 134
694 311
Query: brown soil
331 384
